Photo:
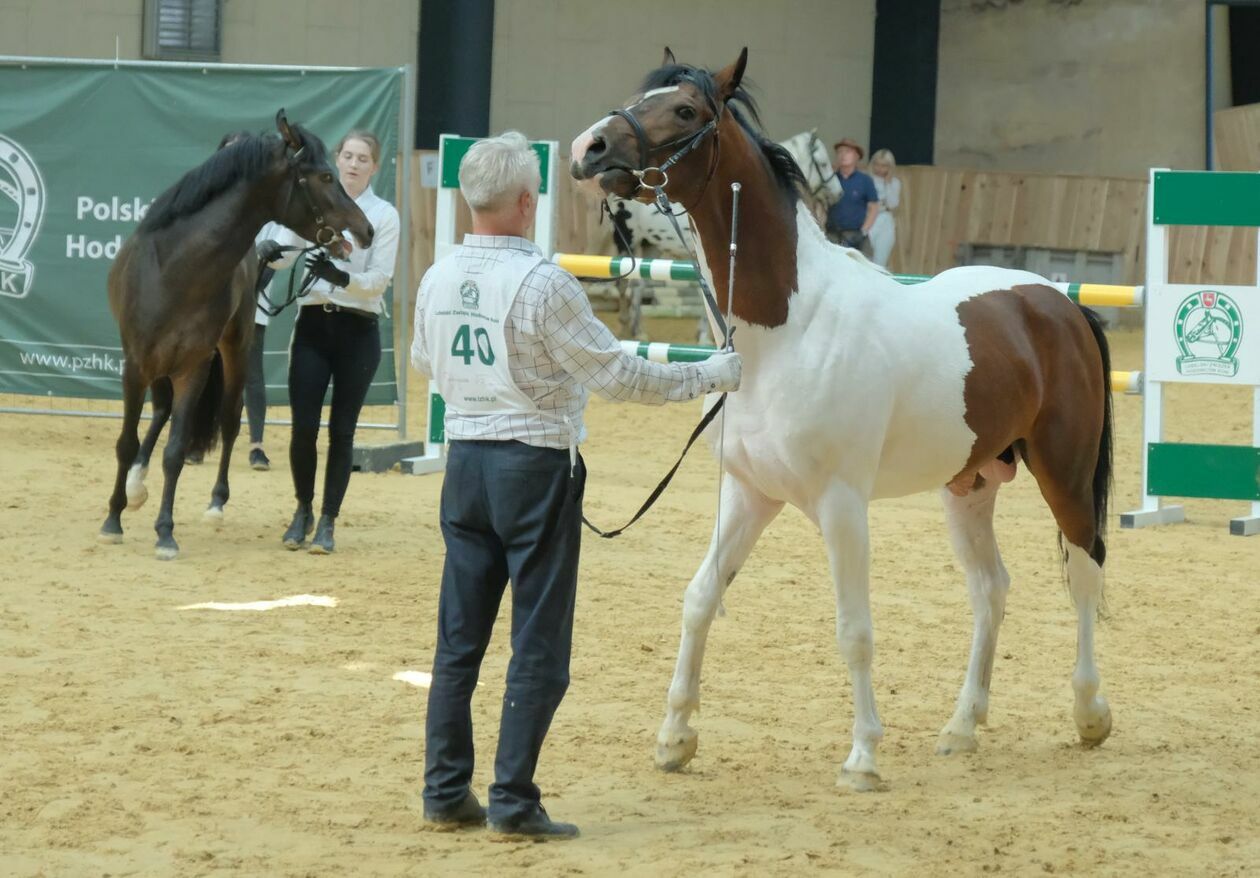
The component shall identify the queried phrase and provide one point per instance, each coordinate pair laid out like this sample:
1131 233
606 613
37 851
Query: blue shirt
850 211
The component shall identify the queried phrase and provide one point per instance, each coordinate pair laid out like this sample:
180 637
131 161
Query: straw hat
848 141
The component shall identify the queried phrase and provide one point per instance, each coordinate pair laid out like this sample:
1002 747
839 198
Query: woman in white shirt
883 232
337 338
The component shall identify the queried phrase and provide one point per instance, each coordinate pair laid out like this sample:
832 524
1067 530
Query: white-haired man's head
499 177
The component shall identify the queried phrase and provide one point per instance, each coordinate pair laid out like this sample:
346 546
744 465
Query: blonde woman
884 230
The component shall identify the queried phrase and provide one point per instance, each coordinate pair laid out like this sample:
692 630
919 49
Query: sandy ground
141 739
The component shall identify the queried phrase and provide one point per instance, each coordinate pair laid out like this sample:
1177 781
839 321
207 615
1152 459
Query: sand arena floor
141 739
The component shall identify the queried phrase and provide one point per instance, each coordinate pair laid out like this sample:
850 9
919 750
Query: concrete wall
560 64
1107 87
353 33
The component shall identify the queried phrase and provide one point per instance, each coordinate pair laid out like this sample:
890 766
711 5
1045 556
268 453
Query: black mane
246 159
788 174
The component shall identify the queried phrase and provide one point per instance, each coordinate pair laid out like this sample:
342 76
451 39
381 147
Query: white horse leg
137 493
842 518
1085 581
744 515
970 520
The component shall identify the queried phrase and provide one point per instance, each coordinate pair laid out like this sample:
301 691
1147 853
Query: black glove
268 251
321 266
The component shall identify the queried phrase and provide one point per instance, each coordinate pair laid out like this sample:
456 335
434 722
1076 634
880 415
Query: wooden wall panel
943 208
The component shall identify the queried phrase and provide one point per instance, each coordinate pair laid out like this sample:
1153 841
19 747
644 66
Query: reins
655 179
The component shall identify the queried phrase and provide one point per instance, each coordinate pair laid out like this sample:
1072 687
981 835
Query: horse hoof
1095 729
862 781
213 515
109 539
949 744
166 553
673 754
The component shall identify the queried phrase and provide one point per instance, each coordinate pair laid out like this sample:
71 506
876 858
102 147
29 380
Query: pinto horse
181 291
857 388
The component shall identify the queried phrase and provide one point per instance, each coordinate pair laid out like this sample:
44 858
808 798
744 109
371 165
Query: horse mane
246 159
744 108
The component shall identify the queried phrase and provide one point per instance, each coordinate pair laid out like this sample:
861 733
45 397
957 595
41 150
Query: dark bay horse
181 291
857 388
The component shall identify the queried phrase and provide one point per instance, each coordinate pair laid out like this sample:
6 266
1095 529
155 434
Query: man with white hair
513 345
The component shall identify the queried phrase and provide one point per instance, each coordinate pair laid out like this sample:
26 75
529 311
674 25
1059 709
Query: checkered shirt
557 350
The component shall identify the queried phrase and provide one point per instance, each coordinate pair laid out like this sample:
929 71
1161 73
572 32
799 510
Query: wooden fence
944 208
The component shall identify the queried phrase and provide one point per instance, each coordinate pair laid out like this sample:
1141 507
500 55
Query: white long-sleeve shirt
889 192
557 349
370 269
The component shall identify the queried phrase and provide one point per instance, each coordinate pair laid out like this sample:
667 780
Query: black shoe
536 825
467 813
258 460
322 542
301 526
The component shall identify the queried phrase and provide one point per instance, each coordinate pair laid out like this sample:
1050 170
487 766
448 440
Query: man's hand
268 251
321 266
722 372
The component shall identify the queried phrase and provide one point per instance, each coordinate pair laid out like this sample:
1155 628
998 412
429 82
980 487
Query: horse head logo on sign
1208 329
21 184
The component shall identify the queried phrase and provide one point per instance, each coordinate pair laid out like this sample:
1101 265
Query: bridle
825 172
324 233
656 178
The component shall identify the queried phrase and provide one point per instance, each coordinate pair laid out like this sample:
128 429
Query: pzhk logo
21 184
1208 330
469 295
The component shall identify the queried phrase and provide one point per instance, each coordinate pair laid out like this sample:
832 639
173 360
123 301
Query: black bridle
325 235
656 178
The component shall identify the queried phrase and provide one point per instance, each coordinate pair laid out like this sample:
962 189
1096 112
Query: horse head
665 137
822 185
314 204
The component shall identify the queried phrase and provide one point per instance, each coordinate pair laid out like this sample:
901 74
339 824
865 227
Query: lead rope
728 335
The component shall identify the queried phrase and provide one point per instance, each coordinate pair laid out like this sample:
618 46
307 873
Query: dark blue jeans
510 511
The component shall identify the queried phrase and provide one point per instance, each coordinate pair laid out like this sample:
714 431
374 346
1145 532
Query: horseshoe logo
21 184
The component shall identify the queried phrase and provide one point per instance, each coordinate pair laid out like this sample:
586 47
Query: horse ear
728 77
668 60
282 125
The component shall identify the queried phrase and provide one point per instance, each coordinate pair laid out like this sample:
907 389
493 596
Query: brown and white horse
857 388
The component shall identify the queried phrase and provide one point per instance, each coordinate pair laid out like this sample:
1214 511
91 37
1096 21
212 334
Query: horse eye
685 112
326 177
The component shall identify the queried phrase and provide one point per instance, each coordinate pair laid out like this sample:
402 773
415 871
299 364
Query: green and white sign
84 150
1203 334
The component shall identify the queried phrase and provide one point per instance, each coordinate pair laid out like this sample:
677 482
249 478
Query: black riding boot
302 524
322 542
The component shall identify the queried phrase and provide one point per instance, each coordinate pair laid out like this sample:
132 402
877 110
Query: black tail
1102 469
204 432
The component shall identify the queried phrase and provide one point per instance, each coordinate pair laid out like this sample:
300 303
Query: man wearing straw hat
850 219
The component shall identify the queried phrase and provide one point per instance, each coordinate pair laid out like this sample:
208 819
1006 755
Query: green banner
84 150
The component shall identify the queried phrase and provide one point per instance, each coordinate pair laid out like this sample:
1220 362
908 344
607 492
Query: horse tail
1103 466
204 430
